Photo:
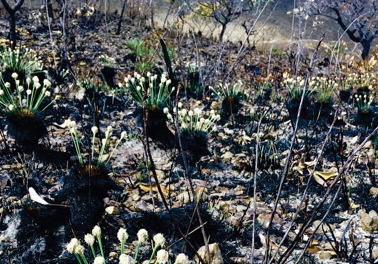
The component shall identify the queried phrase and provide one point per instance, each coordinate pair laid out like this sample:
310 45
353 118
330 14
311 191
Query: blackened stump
156 125
230 106
84 189
26 127
194 145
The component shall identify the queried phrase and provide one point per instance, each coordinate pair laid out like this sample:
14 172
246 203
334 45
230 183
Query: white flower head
72 245
20 89
46 82
162 256
1 92
47 93
181 259
125 259
96 231
28 92
89 239
99 260
79 249
35 79
14 75
10 107
122 235
7 85
94 130
123 134
159 240
142 235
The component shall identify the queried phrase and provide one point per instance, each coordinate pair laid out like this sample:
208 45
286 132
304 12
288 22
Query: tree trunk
120 19
12 18
12 25
222 32
366 45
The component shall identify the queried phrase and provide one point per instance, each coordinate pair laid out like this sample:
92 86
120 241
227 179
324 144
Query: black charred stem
152 168
175 83
12 19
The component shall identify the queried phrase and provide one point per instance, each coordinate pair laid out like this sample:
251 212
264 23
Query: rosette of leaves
295 88
153 93
365 112
194 86
141 55
88 181
24 108
22 61
195 125
230 96
323 88
108 72
345 86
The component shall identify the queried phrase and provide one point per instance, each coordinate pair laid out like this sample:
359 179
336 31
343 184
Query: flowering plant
156 91
225 91
195 120
363 102
162 255
324 87
29 97
21 60
71 125
295 86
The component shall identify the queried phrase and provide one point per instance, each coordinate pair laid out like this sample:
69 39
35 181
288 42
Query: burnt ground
223 176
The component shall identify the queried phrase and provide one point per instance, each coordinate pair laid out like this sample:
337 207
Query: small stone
369 221
112 210
215 254
183 197
113 255
227 156
324 255
135 197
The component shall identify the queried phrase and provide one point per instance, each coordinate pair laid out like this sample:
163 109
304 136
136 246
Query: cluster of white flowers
20 59
324 87
106 60
292 83
195 120
71 125
227 90
157 90
35 94
162 255
363 101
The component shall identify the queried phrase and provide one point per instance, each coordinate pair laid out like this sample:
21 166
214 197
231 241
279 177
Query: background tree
222 11
358 18
12 18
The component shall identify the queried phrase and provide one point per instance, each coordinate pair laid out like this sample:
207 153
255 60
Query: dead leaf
352 205
322 177
146 188
374 191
